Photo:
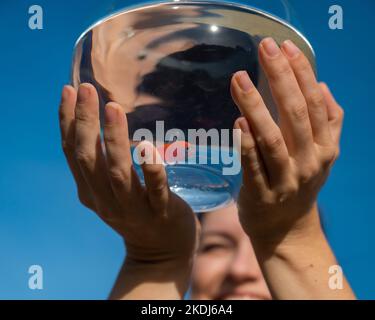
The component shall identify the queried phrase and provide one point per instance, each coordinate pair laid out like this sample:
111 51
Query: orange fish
176 151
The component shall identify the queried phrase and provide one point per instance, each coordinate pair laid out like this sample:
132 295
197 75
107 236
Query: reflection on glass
172 62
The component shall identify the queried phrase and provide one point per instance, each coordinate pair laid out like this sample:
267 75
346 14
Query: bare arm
167 280
298 267
159 229
284 166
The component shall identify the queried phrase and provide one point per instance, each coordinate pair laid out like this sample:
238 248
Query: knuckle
300 112
158 188
117 176
309 171
254 167
109 135
254 98
303 65
250 159
273 142
84 199
248 148
84 157
264 200
286 191
316 99
330 156
62 114
281 71
82 116
341 112
67 147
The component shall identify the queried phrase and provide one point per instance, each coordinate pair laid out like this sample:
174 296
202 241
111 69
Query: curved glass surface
171 63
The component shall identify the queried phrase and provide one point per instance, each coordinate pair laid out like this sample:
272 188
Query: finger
254 174
67 130
312 92
119 162
156 179
88 150
292 107
335 114
266 132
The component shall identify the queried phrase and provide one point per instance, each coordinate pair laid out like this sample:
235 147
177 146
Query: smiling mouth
243 296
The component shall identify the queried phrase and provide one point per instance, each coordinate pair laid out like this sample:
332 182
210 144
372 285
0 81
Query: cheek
207 275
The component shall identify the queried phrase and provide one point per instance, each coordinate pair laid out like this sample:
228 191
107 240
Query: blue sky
42 221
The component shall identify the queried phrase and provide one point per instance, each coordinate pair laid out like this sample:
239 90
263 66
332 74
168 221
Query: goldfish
177 151
170 153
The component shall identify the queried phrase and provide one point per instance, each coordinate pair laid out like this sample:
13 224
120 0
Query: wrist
157 260
286 236
155 280
169 267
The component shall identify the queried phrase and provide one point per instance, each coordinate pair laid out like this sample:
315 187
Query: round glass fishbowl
169 65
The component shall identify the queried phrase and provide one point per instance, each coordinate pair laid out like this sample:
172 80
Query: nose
244 265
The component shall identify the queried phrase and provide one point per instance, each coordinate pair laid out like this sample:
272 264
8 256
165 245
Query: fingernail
244 125
244 81
290 49
110 113
270 47
83 93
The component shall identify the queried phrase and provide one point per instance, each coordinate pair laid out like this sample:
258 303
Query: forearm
298 267
164 281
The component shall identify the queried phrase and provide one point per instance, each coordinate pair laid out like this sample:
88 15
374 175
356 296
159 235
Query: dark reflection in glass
193 84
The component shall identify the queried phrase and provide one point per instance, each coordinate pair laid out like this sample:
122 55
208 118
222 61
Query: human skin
284 168
225 266
159 229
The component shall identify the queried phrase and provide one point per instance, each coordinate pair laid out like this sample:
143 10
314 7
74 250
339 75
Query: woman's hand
159 228
284 167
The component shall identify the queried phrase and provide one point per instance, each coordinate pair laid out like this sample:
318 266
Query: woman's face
226 265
